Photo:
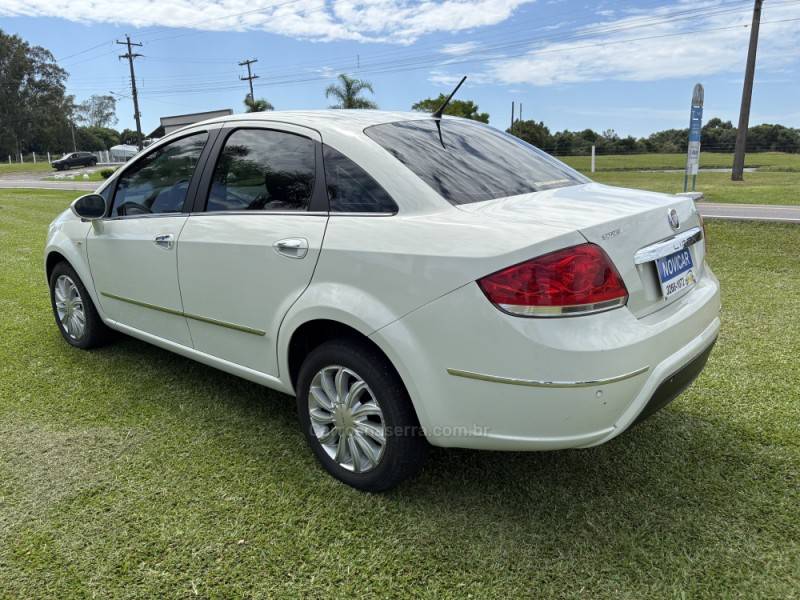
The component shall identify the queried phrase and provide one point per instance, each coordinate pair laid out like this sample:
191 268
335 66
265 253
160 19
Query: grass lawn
26 167
776 182
131 472
764 161
757 188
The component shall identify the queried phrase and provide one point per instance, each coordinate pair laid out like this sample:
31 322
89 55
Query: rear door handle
165 241
292 247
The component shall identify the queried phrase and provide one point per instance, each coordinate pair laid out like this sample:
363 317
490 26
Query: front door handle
165 241
292 247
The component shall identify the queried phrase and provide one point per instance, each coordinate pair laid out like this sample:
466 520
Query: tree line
37 115
717 136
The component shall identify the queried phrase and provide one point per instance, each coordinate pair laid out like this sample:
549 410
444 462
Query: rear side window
351 189
472 162
261 169
158 182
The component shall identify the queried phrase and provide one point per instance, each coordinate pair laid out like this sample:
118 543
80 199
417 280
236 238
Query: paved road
750 212
49 185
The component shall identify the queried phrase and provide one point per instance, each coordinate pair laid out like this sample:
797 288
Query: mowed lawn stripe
129 471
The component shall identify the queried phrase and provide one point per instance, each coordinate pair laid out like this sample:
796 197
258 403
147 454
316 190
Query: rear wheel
357 416
73 309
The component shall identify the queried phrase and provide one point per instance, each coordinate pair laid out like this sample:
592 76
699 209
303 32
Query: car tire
379 403
74 311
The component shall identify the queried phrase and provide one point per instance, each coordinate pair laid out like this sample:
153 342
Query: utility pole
512 113
250 76
747 93
130 55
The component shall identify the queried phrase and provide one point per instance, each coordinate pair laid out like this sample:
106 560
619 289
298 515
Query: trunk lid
621 221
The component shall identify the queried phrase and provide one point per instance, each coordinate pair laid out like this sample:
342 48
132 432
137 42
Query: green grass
131 472
764 161
777 180
757 188
26 167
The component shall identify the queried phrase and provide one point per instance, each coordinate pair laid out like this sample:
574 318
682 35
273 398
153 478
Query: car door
132 252
249 249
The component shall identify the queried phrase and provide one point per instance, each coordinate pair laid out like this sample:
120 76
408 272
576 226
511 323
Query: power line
250 76
130 55
427 64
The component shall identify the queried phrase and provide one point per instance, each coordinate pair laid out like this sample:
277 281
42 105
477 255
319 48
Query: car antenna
437 114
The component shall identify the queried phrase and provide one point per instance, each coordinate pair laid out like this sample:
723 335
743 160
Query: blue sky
629 66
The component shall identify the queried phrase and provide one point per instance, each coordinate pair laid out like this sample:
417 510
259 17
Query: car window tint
158 182
471 162
351 189
261 169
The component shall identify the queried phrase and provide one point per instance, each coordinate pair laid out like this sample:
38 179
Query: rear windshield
476 163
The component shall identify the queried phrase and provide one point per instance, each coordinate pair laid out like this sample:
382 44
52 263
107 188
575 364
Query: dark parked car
75 159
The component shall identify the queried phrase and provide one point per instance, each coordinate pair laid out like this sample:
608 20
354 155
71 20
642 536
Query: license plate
676 273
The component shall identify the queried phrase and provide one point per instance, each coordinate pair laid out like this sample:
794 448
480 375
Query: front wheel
357 416
73 309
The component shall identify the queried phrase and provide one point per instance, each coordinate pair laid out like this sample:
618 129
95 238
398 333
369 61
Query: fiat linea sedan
411 280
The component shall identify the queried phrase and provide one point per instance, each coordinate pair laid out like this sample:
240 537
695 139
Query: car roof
326 121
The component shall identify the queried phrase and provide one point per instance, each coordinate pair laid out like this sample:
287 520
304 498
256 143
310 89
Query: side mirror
89 207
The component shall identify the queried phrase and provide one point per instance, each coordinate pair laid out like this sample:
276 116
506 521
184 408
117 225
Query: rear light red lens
574 280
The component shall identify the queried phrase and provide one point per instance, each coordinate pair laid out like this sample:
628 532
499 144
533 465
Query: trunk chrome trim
570 310
180 313
667 247
546 384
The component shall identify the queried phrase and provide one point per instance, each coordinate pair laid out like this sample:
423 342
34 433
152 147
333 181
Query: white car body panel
256 293
127 264
408 282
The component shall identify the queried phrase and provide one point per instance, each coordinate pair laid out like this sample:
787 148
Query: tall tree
347 93
97 111
466 109
257 105
532 132
33 105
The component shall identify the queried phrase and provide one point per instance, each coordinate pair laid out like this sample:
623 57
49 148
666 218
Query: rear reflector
572 281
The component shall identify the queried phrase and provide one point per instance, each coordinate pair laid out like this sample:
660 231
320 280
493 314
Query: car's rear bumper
482 379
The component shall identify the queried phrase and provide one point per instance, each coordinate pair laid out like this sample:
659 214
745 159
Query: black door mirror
89 207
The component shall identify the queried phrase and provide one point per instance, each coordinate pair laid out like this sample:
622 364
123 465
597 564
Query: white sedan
410 280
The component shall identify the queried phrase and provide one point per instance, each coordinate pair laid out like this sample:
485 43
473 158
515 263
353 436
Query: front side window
471 162
351 189
158 182
262 169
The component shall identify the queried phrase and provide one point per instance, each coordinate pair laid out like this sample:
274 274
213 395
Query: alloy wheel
69 307
346 419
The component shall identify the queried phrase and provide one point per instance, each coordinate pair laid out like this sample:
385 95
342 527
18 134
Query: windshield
477 162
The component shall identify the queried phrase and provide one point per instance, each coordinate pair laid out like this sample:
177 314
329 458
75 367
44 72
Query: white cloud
459 48
656 52
398 21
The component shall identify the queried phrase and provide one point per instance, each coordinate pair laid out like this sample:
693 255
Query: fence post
48 158
34 158
592 158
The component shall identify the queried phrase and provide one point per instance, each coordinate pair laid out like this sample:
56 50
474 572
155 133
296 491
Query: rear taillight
572 281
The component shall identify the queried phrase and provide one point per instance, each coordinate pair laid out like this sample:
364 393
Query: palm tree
347 93
259 105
